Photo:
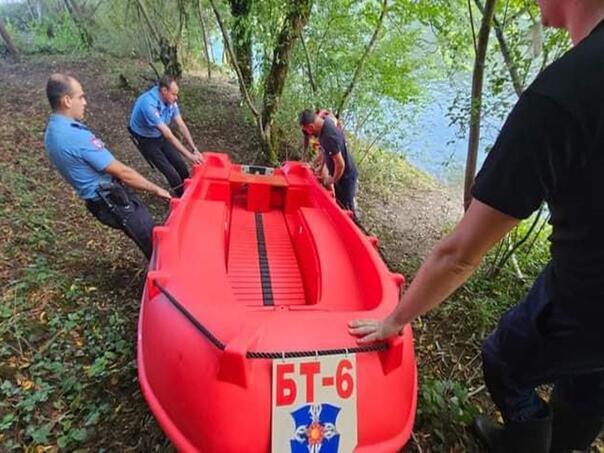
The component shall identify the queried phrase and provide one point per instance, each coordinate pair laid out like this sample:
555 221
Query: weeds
56 35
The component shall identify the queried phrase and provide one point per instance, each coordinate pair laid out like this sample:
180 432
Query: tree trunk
154 32
168 55
205 40
12 50
241 38
361 62
228 49
183 19
78 19
95 8
168 52
297 16
311 78
35 9
505 52
151 52
476 99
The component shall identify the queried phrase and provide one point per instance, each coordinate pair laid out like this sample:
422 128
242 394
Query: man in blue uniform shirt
153 111
550 149
90 168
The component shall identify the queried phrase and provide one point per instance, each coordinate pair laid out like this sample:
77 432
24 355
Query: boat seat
339 285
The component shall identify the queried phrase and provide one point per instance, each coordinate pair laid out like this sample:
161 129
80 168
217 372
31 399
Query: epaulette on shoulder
79 126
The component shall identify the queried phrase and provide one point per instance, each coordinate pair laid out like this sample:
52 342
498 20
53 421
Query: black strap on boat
199 326
261 354
265 274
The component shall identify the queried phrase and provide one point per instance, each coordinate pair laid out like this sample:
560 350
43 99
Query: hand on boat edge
370 330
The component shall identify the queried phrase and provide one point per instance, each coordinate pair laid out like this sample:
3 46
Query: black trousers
166 159
346 190
132 218
538 342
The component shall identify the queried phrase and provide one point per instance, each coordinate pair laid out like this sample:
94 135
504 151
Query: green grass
68 305
64 342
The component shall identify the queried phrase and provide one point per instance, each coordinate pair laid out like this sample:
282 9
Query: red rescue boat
243 343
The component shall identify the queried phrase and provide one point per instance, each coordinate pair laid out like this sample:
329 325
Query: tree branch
231 54
154 31
297 15
476 99
95 8
241 38
9 42
505 52
76 16
361 62
205 39
311 79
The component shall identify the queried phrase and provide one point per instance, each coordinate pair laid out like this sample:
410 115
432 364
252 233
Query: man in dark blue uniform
151 115
551 149
90 168
342 173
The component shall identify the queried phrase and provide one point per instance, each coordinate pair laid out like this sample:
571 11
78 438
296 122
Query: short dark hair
165 81
57 86
307 117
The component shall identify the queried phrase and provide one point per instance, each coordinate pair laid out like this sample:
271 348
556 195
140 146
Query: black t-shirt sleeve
531 157
330 140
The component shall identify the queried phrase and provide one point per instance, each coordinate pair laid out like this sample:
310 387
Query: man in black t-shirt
335 155
551 149
311 142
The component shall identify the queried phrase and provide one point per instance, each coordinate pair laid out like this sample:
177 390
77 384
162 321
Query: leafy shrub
444 408
53 35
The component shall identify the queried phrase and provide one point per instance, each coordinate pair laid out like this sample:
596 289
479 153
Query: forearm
339 165
187 135
338 172
135 180
441 274
449 265
178 145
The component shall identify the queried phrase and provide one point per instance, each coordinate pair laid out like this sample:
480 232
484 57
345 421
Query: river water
429 140
423 132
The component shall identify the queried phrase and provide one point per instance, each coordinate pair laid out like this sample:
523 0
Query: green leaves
101 365
39 434
7 421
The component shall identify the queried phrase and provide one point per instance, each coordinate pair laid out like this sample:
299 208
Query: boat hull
208 340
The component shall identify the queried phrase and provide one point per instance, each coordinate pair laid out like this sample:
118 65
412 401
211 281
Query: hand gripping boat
243 344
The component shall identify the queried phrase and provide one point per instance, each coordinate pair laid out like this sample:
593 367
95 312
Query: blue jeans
538 342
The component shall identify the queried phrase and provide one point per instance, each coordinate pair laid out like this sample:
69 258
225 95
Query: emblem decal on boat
316 430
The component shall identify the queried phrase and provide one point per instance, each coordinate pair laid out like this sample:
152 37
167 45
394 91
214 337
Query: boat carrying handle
376 347
257 170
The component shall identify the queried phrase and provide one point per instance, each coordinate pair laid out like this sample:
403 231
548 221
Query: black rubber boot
531 436
489 432
572 431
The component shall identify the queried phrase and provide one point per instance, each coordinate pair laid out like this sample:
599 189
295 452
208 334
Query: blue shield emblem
315 429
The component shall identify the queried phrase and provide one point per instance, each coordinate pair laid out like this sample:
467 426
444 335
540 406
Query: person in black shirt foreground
335 155
551 149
